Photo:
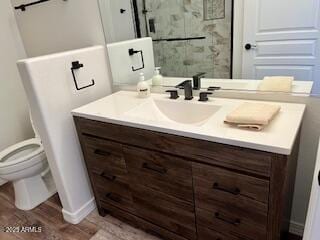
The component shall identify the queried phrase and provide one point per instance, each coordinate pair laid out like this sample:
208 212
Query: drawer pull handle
108 176
154 168
113 197
235 191
101 152
234 222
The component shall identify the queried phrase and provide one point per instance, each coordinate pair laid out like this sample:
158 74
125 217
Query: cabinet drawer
166 211
233 222
161 172
214 184
208 234
104 156
114 191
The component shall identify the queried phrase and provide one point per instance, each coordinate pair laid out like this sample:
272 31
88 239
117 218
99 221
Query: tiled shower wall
190 18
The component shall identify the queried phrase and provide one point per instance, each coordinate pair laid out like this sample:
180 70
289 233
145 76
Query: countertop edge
259 147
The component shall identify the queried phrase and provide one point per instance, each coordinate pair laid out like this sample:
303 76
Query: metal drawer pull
235 222
108 176
101 152
113 197
235 191
154 168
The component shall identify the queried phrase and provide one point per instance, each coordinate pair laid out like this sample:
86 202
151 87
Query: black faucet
197 80
187 86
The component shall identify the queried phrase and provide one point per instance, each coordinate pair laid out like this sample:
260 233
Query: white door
122 15
312 228
284 39
118 20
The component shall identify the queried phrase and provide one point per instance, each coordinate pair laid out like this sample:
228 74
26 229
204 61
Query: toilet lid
20 152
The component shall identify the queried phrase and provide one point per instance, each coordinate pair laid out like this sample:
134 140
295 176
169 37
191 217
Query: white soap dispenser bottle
157 79
143 87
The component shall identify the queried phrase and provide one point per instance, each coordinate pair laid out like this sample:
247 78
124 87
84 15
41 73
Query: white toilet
25 164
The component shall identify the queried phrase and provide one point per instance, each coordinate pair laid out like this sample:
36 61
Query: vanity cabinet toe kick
180 188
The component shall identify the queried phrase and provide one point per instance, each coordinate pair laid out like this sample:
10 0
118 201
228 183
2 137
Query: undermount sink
183 112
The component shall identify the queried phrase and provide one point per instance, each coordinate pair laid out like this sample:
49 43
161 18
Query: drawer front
162 172
233 222
216 184
257 162
165 211
104 157
208 234
140 223
116 192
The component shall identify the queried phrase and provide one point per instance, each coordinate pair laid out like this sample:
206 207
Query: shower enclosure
189 36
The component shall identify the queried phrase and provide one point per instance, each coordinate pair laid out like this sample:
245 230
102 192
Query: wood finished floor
48 215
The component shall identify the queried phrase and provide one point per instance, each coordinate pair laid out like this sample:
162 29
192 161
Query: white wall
14 118
59 25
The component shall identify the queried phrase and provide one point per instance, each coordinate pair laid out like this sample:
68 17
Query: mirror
226 40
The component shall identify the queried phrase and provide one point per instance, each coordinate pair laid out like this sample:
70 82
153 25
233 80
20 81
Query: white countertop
277 137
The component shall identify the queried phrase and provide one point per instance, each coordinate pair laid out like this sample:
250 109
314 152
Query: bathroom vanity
190 179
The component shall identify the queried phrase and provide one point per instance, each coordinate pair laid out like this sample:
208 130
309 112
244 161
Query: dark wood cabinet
180 188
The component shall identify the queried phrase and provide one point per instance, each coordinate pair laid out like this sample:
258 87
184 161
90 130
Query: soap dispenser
143 87
157 79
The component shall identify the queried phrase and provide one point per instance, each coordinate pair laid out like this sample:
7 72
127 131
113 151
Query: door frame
136 18
238 24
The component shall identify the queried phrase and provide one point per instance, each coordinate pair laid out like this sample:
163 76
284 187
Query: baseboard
77 216
296 228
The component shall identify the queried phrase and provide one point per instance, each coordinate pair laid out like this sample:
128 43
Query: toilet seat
21 155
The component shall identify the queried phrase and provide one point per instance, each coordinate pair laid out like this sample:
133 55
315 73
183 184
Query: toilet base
31 192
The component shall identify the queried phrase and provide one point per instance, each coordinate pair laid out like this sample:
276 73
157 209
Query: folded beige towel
276 84
252 115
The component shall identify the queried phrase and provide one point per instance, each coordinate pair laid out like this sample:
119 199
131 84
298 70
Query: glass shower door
190 36
165 21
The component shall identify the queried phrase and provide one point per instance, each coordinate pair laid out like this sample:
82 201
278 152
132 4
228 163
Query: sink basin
183 112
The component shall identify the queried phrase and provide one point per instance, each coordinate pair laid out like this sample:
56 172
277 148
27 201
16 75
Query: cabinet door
168 212
162 192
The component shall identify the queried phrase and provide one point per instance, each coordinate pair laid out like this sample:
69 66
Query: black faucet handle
173 94
197 80
203 96
213 88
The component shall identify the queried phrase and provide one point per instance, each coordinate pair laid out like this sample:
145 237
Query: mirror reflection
216 43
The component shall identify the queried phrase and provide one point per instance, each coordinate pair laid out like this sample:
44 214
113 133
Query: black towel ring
75 66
